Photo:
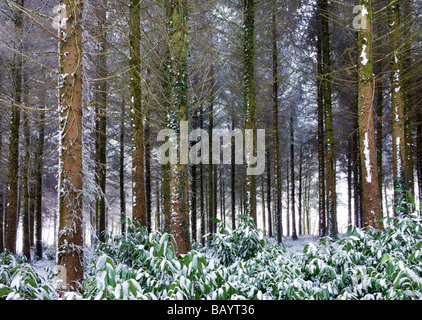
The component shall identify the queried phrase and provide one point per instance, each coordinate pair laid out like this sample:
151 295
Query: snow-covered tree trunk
177 15
70 237
397 103
369 171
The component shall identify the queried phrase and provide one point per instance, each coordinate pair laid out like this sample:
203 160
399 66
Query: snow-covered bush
241 243
18 280
368 264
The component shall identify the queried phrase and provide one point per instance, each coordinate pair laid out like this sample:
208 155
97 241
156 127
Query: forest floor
292 247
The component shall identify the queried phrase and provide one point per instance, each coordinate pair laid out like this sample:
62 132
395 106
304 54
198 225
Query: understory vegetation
237 264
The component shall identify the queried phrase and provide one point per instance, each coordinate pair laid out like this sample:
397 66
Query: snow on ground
40 265
296 246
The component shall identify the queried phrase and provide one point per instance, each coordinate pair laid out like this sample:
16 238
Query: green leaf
215 220
385 258
3 290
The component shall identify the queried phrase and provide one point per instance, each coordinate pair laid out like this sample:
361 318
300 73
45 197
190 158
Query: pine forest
210 150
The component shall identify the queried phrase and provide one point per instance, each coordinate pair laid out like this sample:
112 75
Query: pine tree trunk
322 221
101 121
26 245
122 193
379 126
277 177
158 210
399 152
211 180
328 114
292 179
349 183
408 103
249 98
148 191
38 188
177 14
233 179
419 150
137 117
269 219
11 223
70 237
300 228
201 185
369 171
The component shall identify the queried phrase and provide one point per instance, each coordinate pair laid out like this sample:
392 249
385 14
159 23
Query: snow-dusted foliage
368 264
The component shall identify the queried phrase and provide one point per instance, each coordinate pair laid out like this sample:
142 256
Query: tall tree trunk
211 180
194 212
370 191
38 194
101 121
122 193
349 183
322 221
137 117
277 177
233 179
158 211
300 190
288 182
201 185
249 98
12 194
328 114
177 14
70 237
379 126
269 219
1 205
148 190
408 103
165 193
292 182
26 245
263 204
399 152
419 150
356 176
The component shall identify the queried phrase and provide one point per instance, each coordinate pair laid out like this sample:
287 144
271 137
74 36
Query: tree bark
322 221
328 114
70 237
137 117
122 194
249 97
292 179
101 121
399 152
11 223
26 245
370 191
177 14
277 177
